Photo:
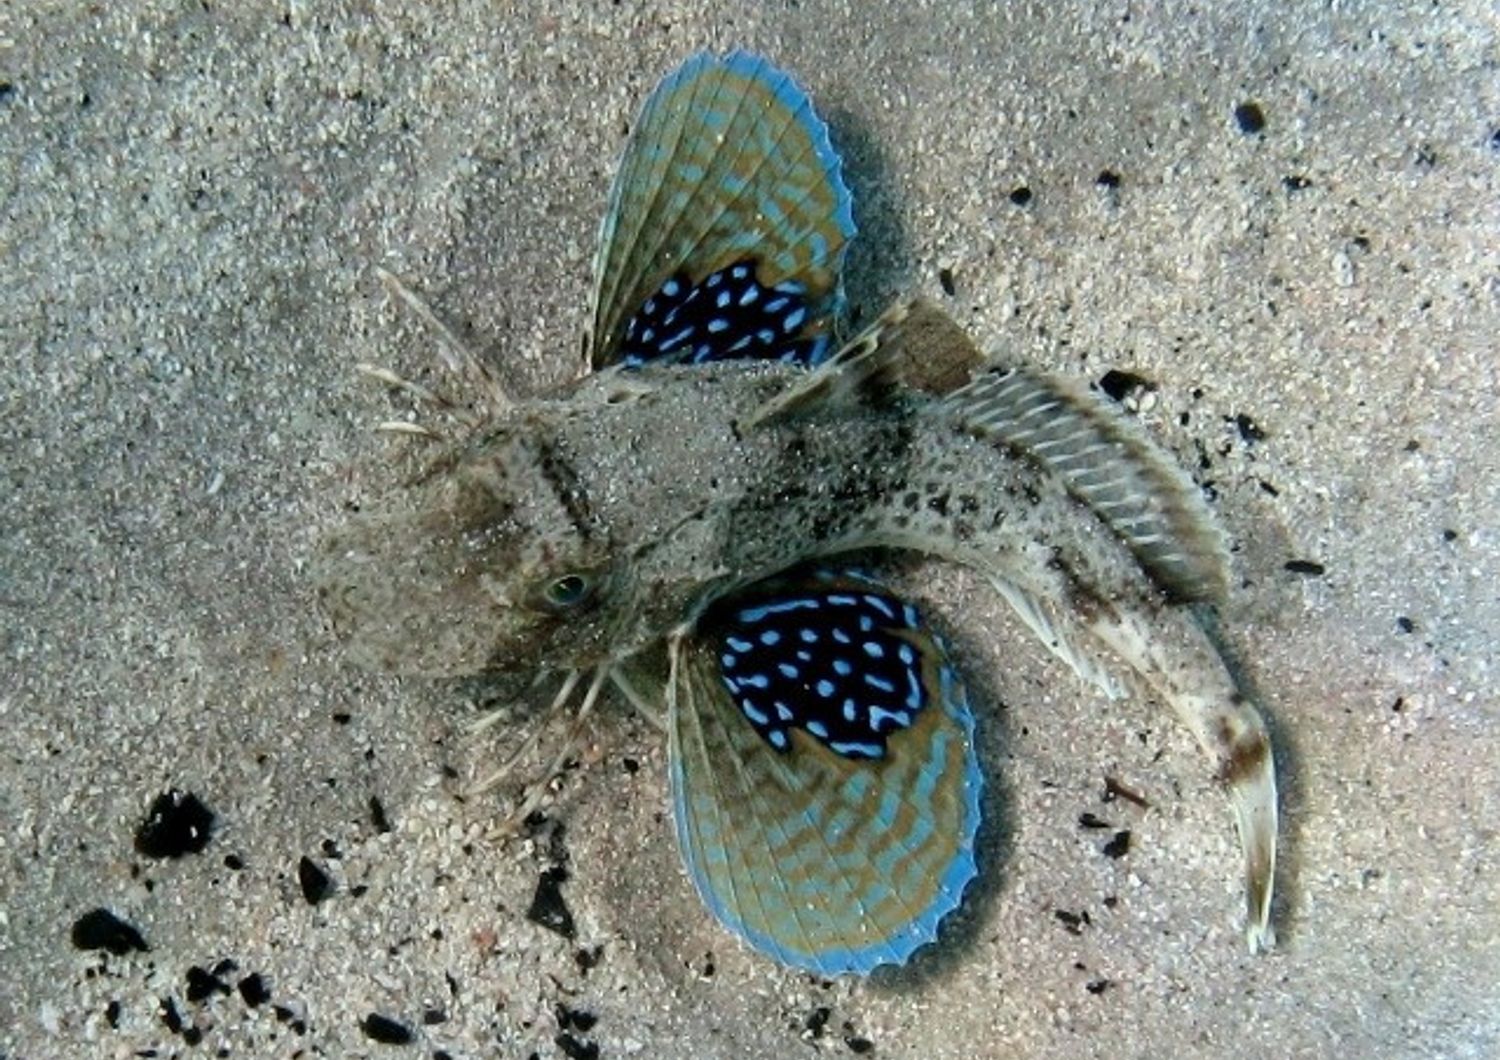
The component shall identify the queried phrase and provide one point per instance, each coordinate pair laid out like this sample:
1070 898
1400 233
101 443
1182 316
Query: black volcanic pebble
385 1030
1120 384
1250 117
378 816
547 906
571 1019
100 929
202 984
1119 846
574 1049
177 824
315 883
253 990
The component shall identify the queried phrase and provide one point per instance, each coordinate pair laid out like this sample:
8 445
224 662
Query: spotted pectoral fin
912 345
824 777
1110 464
727 223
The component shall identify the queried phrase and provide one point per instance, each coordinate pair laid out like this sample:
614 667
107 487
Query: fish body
690 506
643 482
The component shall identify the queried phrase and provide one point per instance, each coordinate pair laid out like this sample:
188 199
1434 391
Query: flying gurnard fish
672 523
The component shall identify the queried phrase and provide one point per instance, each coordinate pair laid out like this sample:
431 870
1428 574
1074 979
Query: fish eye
568 591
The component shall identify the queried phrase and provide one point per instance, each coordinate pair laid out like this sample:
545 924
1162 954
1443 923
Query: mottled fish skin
641 483
630 521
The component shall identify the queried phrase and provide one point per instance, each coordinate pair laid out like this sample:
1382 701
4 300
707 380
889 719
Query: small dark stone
1450 535
1248 429
1294 183
1021 196
176 824
112 1015
945 278
816 1021
572 1019
1405 624
1495 140
1120 385
202 984
1305 566
1119 846
378 818
1267 487
7 90
1088 820
100 929
385 1030
547 906
1107 178
1097 986
588 958
290 1018
630 766
170 1017
192 1036
234 862
433 1016
859 1046
253 990
1249 117
342 717
1072 921
315 883
574 1049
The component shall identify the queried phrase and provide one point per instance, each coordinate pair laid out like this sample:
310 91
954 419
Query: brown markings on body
1091 608
563 479
1240 756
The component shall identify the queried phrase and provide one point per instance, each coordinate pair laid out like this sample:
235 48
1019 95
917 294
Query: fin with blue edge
727 223
825 781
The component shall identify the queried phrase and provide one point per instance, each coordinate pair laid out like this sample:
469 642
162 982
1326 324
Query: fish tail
1175 656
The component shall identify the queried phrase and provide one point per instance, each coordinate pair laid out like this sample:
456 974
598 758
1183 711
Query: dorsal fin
913 344
1109 463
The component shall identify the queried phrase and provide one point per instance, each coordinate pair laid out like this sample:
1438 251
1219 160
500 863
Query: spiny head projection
493 560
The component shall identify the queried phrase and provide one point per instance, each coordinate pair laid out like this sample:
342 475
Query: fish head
491 560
